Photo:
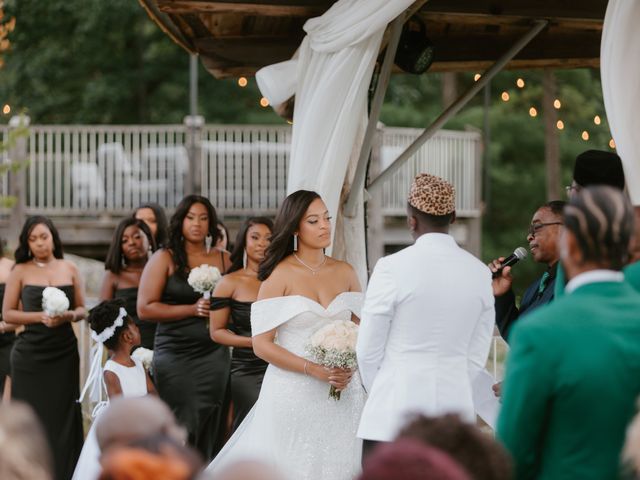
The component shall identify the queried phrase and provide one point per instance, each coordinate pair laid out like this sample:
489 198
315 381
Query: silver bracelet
305 368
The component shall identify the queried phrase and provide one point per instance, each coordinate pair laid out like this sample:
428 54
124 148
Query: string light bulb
505 96
597 120
264 102
560 125
242 82
612 144
520 83
585 135
476 77
557 104
6 109
533 112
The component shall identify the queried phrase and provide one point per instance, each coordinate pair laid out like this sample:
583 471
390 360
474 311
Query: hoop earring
207 242
244 259
295 243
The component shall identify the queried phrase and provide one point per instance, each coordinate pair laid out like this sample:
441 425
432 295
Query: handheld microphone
517 255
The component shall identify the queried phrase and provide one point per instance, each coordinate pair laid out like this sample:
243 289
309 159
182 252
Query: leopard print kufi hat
432 195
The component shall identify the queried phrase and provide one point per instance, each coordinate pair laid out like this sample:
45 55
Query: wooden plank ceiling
237 37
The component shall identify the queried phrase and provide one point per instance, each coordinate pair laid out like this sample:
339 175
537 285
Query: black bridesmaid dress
191 372
147 329
247 370
45 374
6 344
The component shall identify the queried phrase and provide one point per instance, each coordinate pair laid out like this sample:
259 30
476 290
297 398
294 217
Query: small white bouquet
145 356
54 301
203 279
334 346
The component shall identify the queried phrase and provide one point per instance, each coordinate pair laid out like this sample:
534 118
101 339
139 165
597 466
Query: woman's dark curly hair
162 233
103 315
287 222
176 239
115 258
23 253
237 255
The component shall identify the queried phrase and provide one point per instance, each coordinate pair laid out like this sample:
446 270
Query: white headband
108 332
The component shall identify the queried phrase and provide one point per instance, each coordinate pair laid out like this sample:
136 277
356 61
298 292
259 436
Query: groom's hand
339 378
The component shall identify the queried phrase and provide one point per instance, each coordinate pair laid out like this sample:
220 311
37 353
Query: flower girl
122 375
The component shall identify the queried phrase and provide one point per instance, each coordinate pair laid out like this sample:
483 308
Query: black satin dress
147 329
247 370
45 374
191 372
6 344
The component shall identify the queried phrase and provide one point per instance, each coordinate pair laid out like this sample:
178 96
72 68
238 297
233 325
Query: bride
294 424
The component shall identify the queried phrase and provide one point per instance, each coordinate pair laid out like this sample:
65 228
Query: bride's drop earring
244 259
295 242
207 242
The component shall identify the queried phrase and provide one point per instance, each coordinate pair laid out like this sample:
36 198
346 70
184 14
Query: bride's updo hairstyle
103 316
287 222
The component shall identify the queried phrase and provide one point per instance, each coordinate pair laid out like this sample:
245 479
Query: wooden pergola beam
292 8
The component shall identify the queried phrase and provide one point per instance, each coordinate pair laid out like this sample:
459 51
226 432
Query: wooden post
375 216
551 142
17 181
194 124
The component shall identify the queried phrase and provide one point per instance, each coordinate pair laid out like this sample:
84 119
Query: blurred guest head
598 229
153 215
127 420
132 242
544 232
409 459
39 240
431 206
303 216
251 243
223 240
596 167
248 470
634 249
478 453
24 451
129 463
631 449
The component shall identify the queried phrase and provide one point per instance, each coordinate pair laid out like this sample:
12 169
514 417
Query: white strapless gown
294 425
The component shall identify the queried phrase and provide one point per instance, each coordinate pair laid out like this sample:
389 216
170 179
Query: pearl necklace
313 270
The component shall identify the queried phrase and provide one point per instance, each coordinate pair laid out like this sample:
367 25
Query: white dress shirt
425 332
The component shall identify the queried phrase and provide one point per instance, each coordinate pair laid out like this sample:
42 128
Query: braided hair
601 219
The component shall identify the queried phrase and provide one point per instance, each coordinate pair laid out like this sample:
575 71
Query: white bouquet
203 279
334 346
145 356
54 301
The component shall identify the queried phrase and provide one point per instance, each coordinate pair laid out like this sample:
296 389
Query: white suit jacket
425 332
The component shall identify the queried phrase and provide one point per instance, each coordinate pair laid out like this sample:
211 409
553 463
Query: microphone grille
520 252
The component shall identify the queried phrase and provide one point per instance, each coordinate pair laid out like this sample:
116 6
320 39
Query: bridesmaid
191 372
130 249
7 331
153 215
44 360
229 320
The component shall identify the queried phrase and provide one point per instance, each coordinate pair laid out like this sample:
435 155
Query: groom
427 321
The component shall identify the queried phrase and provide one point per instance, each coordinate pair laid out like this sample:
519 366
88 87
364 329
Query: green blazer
632 275
572 379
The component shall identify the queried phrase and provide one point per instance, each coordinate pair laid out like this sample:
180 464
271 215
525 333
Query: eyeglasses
536 227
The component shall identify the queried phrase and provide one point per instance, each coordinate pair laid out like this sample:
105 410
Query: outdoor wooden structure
237 37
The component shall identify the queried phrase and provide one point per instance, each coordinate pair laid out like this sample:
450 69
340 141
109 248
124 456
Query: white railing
452 155
95 170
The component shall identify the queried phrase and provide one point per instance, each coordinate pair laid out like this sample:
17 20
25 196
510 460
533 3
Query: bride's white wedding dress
294 425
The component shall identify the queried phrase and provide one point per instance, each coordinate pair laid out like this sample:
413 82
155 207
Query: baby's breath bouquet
203 279
334 346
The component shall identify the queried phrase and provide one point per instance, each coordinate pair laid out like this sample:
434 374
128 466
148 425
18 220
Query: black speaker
415 51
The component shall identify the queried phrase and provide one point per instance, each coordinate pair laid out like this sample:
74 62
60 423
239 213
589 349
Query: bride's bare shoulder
346 271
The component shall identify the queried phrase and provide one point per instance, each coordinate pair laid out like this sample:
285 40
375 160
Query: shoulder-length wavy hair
287 222
237 255
23 253
115 258
162 234
176 239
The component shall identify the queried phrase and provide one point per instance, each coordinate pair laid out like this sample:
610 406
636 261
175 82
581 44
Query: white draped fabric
620 73
329 77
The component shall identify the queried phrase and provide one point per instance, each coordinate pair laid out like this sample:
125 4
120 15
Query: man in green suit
573 373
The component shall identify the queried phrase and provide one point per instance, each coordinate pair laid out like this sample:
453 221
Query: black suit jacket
507 312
